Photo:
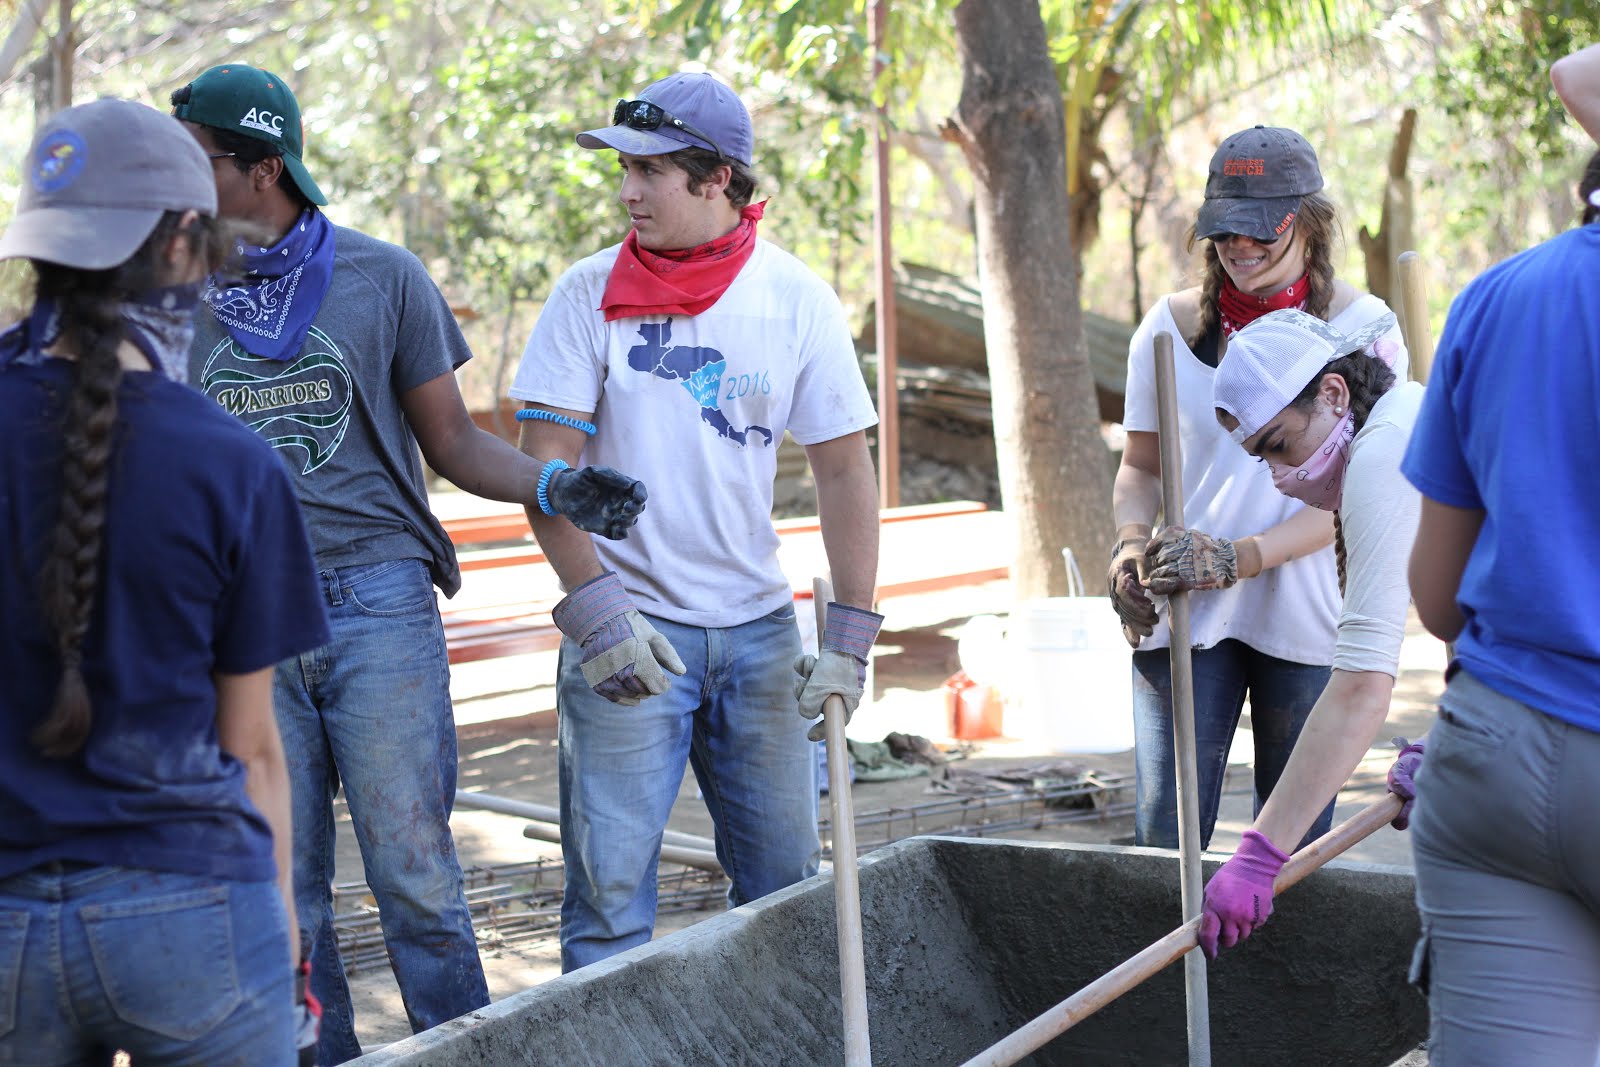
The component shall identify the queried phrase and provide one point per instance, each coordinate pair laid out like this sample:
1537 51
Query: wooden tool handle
1414 314
846 884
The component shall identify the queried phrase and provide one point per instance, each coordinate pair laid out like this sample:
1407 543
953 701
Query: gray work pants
1506 834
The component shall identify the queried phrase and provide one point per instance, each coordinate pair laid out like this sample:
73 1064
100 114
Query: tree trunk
1381 249
1055 475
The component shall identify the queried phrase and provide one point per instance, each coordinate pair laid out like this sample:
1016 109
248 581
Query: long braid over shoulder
92 331
1318 223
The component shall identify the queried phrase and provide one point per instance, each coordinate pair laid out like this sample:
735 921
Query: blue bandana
158 322
269 314
26 341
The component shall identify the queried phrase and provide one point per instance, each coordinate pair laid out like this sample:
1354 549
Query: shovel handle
846 884
1162 954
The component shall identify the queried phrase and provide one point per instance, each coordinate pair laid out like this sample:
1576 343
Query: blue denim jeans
1282 694
371 710
1506 835
732 718
174 968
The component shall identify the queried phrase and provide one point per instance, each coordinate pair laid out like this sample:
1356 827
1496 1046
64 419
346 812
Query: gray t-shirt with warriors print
333 412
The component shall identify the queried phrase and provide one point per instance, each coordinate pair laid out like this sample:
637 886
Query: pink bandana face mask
1319 481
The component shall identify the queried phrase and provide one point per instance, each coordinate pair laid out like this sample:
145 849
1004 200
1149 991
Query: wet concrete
965 941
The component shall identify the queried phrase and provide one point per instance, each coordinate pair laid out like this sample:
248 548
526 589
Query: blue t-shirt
205 567
1511 410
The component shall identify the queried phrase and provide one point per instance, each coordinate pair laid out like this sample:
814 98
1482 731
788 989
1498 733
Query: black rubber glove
598 500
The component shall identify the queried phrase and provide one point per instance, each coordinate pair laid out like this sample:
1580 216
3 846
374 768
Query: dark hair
701 164
1319 224
1587 185
92 330
247 151
1367 378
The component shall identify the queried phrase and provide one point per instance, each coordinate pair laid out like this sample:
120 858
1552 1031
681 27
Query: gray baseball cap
98 179
690 111
1256 182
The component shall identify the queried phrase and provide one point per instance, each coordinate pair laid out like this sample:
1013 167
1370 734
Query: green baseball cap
255 103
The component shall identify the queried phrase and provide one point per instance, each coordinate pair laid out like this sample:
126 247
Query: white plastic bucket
1072 683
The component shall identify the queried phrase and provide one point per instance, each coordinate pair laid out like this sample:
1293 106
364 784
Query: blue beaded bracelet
544 483
556 417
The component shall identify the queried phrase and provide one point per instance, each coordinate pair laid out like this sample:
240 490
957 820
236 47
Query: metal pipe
1194 962
689 857
886 332
545 813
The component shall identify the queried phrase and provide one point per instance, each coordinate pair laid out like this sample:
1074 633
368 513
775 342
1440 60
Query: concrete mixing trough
965 941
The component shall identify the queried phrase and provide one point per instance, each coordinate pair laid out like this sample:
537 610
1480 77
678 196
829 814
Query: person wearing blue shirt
1506 831
154 568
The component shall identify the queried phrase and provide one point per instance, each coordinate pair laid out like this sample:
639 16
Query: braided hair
92 331
1318 222
1367 378
1588 185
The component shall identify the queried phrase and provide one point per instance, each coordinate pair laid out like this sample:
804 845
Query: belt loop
330 587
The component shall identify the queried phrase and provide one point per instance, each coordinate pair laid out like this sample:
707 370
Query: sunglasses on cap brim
1265 242
644 115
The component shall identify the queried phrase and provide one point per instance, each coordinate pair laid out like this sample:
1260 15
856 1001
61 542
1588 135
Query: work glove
307 1009
597 500
1402 778
625 659
847 637
1125 582
1180 560
1239 896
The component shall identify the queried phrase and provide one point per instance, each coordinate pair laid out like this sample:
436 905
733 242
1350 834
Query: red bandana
682 282
1240 309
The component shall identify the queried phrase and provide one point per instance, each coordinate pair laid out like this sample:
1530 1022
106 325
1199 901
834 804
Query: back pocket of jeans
166 963
13 936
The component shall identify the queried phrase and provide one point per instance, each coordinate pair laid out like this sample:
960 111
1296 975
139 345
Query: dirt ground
507 731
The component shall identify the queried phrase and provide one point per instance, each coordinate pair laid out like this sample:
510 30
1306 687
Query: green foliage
1497 68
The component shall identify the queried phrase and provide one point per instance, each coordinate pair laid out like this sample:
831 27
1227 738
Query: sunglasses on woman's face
643 115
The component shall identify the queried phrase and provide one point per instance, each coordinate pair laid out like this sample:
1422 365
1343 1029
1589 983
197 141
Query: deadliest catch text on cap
1256 182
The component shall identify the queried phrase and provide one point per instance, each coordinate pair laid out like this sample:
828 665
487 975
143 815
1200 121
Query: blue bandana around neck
158 322
26 341
270 312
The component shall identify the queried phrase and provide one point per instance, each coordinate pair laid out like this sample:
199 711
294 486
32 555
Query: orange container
974 710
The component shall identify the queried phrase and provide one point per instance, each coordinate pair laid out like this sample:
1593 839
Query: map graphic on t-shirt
299 403
701 371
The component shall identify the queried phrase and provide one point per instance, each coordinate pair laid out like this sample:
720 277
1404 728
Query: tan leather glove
1125 580
1179 559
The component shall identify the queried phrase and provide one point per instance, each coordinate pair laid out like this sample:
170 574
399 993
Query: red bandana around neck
681 282
1240 309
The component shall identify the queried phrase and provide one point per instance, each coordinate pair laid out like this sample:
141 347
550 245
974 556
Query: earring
1338 411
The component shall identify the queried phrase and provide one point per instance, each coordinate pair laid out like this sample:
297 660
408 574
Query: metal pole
1194 963
846 887
888 356
523 809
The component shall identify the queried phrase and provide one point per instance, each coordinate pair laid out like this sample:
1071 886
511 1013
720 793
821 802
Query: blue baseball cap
98 179
708 115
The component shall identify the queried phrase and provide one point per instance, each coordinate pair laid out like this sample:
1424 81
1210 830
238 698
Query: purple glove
625 659
847 638
1239 896
1402 778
